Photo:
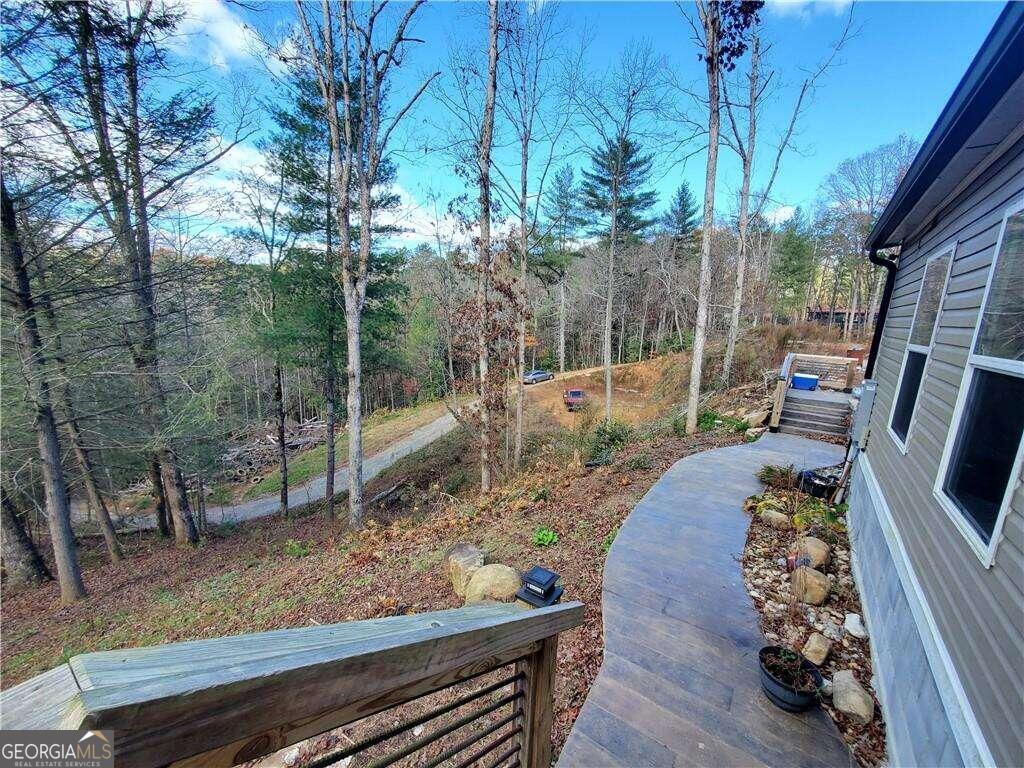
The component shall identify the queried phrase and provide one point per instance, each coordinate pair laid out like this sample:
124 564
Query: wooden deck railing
229 700
833 372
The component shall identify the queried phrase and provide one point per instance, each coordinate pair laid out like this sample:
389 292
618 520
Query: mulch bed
787 622
275 573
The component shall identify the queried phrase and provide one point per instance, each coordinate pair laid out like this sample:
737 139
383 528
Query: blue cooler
805 381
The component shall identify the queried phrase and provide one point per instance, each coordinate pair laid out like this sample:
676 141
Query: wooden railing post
537 685
851 373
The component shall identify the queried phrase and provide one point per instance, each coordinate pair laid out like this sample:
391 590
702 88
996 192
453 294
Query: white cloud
211 32
803 10
781 214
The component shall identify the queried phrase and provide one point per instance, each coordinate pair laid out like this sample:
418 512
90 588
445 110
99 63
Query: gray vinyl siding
979 611
911 700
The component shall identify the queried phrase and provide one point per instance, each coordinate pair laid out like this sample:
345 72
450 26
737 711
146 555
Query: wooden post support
851 373
538 684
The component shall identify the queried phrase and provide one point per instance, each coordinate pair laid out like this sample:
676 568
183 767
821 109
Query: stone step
829 417
807 402
821 426
792 429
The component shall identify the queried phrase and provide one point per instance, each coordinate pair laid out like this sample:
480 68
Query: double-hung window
919 346
981 462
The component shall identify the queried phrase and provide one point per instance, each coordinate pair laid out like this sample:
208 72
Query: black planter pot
817 484
785 696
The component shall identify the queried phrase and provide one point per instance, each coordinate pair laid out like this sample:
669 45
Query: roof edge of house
996 66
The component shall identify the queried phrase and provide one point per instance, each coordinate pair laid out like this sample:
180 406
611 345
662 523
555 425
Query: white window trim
986 552
901 444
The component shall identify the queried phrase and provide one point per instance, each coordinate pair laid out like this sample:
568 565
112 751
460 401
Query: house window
919 346
981 462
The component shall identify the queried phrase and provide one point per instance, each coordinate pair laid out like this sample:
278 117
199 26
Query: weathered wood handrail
224 701
798 362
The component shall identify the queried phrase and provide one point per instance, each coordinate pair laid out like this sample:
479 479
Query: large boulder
850 698
816 549
809 586
776 520
493 582
462 561
816 648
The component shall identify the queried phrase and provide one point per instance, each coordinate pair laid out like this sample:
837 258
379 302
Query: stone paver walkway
680 684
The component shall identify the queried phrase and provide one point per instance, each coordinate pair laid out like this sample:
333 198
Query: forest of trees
141 331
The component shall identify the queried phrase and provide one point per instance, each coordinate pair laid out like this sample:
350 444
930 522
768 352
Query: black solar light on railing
540 587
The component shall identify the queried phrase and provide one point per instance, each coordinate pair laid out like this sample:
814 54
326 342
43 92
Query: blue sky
893 76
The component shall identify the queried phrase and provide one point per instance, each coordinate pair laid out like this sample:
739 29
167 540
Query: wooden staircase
824 412
813 417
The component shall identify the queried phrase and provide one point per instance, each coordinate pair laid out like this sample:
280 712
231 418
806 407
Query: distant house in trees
837 317
936 506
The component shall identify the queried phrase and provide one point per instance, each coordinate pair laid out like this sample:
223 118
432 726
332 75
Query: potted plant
789 680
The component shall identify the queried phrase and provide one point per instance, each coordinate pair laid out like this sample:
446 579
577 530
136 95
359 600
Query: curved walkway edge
680 684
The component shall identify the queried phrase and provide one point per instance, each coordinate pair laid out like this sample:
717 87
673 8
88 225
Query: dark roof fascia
997 65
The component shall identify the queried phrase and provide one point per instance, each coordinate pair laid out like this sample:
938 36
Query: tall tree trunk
58 508
355 420
66 404
127 199
524 158
159 496
92 491
282 448
851 314
561 325
22 562
610 276
741 249
485 266
643 326
711 28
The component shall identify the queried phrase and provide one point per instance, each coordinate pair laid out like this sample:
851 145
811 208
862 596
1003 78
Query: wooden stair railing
229 700
834 372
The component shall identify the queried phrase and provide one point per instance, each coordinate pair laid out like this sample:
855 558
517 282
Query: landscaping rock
816 549
776 520
832 631
855 625
809 586
816 648
754 432
756 418
850 698
493 582
462 561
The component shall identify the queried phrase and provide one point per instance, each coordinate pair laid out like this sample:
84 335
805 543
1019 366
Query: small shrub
609 539
784 478
815 515
739 425
456 481
708 420
541 494
544 537
640 461
679 426
295 549
610 436
226 528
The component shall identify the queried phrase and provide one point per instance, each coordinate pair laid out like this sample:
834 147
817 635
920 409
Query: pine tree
683 215
563 208
614 189
793 267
